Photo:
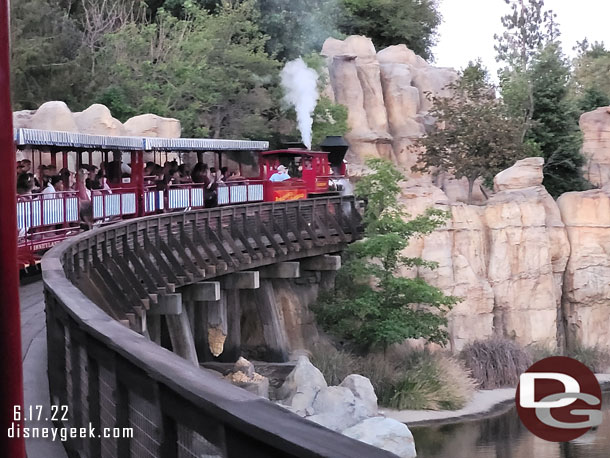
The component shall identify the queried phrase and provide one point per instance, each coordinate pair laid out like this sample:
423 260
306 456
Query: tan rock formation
150 125
22 119
98 120
595 126
586 299
505 260
53 116
384 94
525 173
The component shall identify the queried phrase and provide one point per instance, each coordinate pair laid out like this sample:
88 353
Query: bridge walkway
35 378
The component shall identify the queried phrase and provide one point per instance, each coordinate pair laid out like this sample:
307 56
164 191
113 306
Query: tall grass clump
334 364
431 382
496 362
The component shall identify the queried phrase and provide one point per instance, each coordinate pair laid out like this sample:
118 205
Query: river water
505 437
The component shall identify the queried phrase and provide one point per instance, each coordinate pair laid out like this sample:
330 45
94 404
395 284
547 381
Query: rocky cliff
527 267
386 96
595 127
96 120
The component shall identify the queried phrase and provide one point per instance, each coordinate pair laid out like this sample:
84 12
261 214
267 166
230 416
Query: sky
469 26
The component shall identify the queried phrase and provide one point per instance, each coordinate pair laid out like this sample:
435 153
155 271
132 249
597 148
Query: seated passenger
280 175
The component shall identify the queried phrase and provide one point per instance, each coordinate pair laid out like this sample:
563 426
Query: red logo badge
559 399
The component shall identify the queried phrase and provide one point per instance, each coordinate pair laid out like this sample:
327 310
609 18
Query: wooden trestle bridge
182 272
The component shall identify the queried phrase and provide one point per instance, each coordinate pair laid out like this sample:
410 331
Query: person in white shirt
53 185
280 175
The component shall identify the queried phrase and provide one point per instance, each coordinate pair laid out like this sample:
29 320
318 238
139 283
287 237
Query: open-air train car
42 222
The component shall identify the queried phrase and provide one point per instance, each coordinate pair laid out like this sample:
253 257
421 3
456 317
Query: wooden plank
220 247
212 255
245 242
163 265
312 234
335 224
186 240
181 337
174 261
236 250
270 237
284 236
152 269
253 232
177 247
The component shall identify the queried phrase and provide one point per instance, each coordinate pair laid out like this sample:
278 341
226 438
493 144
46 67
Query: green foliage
590 84
297 28
495 363
329 118
372 305
393 22
45 53
210 71
555 123
474 137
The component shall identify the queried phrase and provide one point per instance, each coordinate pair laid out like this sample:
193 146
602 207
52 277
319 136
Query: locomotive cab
293 174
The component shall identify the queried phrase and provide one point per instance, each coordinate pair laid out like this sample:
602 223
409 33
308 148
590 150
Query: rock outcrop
244 376
595 127
505 260
350 408
586 298
385 93
96 120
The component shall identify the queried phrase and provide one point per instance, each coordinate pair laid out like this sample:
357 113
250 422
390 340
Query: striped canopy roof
35 137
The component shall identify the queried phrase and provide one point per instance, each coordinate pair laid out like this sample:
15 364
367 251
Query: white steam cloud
300 85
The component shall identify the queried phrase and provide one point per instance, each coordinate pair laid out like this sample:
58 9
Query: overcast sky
469 26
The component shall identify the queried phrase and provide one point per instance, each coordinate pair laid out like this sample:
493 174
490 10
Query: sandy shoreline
485 403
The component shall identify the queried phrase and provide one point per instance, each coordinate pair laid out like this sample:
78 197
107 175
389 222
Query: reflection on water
505 437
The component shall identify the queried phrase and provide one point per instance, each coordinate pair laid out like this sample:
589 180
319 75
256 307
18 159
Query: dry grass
334 364
495 363
433 382
402 379
595 358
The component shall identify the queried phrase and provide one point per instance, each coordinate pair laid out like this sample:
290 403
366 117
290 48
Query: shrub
495 362
595 358
432 382
333 363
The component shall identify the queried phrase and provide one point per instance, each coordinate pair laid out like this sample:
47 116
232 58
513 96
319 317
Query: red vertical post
11 370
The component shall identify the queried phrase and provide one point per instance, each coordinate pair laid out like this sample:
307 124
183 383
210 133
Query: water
505 437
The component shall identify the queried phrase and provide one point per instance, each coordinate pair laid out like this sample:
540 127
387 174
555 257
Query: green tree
590 84
210 71
393 22
528 28
555 123
474 136
45 54
372 304
329 118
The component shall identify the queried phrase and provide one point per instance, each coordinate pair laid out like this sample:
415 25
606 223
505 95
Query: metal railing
113 377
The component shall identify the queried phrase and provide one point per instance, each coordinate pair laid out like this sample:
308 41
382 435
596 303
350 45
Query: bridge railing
112 377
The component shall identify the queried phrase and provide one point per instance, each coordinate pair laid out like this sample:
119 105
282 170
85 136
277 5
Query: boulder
22 119
150 125
595 126
433 80
301 386
53 116
586 298
524 174
334 407
244 376
384 433
98 120
364 394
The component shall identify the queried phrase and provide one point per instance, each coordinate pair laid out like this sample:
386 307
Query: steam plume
300 85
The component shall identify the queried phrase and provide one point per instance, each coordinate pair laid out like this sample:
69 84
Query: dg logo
559 399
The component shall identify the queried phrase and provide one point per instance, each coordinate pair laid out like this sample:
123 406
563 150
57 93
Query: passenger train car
44 220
